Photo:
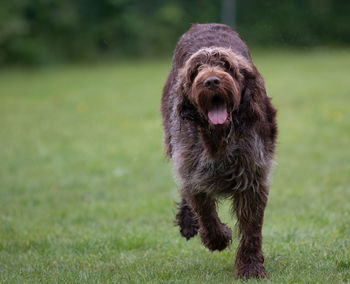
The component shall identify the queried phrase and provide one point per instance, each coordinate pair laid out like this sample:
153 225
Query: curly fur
231 159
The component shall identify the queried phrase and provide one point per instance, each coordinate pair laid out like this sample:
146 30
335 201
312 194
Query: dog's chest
235 170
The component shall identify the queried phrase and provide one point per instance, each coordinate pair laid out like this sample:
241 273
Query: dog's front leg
186 220
249 207
214 234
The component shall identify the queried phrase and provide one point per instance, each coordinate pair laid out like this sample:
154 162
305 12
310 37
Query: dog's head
212 82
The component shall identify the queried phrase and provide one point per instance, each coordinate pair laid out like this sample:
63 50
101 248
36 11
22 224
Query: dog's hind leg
186 220
214 234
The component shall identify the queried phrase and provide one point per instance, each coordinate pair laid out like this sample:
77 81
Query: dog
220 132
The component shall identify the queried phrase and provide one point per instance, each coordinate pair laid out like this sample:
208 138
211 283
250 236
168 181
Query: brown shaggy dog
220 132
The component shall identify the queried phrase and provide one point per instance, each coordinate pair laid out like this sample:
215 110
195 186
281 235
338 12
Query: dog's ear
253 94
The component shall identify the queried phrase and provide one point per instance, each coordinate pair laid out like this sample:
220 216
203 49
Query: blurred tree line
41 31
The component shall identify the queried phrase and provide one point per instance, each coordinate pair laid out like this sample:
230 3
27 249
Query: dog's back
207 35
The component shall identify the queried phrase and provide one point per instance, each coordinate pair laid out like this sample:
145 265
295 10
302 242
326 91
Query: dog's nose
212 81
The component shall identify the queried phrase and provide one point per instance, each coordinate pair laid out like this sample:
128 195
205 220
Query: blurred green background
86 193
46 31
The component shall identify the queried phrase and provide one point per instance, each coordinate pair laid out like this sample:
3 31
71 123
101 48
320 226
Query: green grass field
87 196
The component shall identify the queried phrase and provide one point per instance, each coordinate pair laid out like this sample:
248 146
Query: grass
87 195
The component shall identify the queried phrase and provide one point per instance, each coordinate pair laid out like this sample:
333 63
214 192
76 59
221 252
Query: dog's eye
193 74
227 66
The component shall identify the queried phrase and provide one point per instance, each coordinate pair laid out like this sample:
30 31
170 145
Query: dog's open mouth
217 113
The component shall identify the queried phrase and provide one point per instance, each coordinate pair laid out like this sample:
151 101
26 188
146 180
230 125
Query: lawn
86 194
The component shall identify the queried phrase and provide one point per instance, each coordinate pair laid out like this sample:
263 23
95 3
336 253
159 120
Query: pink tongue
218 114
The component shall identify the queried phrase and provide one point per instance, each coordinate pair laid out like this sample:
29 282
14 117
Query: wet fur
230 160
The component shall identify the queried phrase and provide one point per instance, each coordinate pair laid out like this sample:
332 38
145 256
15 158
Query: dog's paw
189 231
188 225
187 221
217 238
252 270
